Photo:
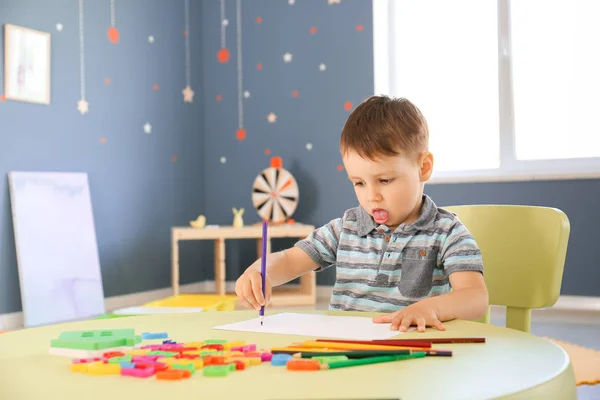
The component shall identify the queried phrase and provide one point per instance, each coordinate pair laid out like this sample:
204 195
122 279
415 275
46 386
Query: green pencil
354 353
370 360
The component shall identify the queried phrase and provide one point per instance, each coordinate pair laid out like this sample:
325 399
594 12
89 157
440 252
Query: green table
512 364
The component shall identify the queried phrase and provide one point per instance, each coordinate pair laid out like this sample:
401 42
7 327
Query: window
508 88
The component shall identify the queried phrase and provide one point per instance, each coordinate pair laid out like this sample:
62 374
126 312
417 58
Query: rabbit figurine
238 221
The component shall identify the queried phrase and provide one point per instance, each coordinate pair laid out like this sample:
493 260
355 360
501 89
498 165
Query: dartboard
275 194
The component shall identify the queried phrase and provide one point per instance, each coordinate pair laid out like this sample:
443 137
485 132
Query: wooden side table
282 296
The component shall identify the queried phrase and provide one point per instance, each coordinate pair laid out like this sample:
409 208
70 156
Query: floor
581 328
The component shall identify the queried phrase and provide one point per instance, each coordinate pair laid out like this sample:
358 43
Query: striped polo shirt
381 270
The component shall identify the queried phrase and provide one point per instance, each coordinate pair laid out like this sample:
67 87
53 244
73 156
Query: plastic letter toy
280 359
138 372
239 365
266 356
215 341
104 369
173 374
159 335
303 365
188 367
217 370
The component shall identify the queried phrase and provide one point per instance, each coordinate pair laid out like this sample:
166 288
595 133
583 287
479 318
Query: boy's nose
374 195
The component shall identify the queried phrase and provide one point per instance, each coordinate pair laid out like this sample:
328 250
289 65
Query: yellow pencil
297 349
355 346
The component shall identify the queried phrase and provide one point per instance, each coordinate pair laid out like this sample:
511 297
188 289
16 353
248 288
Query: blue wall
138 192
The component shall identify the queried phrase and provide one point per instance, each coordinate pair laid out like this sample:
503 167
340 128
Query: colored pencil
438 353
370 360
263 268
354 354
404 342
353 346
294 350
415 343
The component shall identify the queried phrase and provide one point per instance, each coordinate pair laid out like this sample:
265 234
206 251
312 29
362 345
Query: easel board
57 251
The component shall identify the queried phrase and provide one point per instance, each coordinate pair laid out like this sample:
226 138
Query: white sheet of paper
322 326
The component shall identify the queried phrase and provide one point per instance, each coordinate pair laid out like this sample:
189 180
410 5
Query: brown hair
384 126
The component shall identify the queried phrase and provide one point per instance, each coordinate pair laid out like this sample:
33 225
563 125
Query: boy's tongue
381 216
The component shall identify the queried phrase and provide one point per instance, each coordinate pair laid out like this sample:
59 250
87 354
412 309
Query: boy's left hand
421 315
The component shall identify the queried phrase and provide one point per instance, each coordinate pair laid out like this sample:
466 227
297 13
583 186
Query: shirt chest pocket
417 268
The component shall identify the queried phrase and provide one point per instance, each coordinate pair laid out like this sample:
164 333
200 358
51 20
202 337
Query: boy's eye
385 181
358 183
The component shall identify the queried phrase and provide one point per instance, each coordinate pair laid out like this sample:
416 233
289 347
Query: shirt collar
366 224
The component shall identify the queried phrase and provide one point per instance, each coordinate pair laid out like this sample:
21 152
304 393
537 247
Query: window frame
510 169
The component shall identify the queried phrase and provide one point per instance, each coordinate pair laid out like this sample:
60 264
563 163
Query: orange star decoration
223 55
313 30
2 97
295 93
259 66
359 28
276 162
348 106
340 167
259 20
102 140
107 81
174 158
219 97
240 134
267 151
155 87
113 34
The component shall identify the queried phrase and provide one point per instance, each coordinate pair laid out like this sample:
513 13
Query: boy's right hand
248 288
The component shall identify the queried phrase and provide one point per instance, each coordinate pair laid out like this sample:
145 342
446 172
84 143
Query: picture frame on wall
26 64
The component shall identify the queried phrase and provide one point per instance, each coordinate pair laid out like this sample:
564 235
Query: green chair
523 250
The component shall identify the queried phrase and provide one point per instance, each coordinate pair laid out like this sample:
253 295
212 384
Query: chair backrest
524 250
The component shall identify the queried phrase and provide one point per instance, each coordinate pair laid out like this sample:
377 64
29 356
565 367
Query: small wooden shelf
306 294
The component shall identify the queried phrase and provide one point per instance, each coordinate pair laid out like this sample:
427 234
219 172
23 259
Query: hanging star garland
223 53
113 32
82 104
188 93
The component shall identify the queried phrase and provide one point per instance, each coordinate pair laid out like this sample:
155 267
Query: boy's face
389 188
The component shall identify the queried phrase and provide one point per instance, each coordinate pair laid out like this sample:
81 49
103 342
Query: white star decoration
272 118
291 2
188 94
223 160
147 128
309 146
59 27
322 67
82 106
225 22
287 57
150 39
246 94
334 1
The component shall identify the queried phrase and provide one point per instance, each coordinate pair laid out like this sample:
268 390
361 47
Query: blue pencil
263 268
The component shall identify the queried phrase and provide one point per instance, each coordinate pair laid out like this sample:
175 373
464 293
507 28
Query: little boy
396 253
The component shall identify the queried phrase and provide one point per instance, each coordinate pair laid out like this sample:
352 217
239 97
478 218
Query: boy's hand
248 287
418 314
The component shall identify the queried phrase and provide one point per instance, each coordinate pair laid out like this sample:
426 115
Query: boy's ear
425 166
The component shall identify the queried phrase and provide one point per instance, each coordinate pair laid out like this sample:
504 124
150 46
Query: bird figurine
238 221
199 222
